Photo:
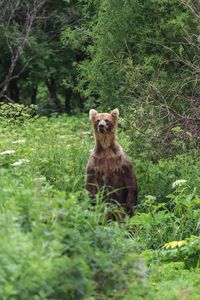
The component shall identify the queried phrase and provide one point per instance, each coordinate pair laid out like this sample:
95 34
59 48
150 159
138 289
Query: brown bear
108 164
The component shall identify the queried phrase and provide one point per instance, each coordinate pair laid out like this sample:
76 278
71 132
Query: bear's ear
115 113
92 113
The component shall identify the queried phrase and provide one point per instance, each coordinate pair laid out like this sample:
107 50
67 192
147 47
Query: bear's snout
102 126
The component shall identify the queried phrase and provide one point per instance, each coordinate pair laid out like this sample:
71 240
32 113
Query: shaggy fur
108 164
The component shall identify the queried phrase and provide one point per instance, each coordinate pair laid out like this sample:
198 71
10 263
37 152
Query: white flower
62 136
20 162
179 182
7 152
42 178
19 142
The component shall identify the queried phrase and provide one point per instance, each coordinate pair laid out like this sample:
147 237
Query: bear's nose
102 126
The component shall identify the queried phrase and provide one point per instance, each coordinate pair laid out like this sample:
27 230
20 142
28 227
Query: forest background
140 56
58 59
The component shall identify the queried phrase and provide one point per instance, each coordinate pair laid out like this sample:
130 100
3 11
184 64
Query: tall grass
55 245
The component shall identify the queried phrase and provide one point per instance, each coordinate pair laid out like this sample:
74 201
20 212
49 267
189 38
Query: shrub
157 223
13 112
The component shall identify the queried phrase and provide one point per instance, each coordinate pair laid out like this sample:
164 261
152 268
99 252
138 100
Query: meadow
55 245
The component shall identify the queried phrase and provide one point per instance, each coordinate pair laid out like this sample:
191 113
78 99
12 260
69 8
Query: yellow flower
175 244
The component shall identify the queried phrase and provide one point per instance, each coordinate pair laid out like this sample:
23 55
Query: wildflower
175 244
7 152
18 142
179 182
42 178
20 162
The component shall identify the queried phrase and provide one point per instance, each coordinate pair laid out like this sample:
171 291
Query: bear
108 165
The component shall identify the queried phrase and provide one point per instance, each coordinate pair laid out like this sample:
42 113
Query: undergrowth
55 245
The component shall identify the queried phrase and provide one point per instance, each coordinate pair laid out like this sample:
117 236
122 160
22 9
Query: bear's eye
98 120
106 120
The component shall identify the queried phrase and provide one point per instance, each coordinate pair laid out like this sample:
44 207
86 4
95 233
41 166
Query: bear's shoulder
108 157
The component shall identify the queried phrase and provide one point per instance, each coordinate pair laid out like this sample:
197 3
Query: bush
13 112
157 223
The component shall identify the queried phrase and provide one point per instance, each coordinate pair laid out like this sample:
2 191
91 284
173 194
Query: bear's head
103 122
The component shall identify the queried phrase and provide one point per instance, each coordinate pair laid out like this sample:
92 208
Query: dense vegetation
58 59
72 55
56 245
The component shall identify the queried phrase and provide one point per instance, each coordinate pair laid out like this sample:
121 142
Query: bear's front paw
130 208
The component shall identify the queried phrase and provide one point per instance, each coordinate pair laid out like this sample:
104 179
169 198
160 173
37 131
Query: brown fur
108 164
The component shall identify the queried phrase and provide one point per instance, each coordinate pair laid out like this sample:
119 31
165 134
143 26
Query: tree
41 68
142 59
17 21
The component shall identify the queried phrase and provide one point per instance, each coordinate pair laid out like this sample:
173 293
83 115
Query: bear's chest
108 170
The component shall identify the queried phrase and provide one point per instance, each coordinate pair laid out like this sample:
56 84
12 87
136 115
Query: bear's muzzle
102 126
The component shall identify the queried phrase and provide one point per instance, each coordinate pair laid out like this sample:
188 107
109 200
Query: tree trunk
14 91
8 14
34 95
68 96
51 85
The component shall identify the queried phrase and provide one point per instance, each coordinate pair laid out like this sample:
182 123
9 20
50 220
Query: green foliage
144 59
156 133
45 71
142 56
187 251
156 178
140 44
13 112
54 242
177 219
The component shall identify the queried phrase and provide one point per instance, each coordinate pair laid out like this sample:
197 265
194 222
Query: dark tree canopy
71 55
